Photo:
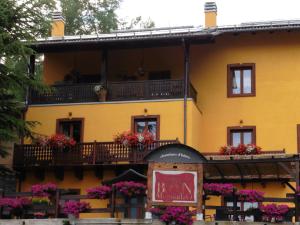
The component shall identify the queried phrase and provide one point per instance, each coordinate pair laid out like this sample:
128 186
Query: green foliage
87 16
96 16
20 21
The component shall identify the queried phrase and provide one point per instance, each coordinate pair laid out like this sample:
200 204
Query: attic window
241 80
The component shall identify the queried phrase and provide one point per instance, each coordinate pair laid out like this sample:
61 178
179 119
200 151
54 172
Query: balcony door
146 123
72 128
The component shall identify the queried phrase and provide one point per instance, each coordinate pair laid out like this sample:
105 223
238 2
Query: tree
96 16
20 22
87 17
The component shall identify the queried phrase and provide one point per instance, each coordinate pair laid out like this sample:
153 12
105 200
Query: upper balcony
116 91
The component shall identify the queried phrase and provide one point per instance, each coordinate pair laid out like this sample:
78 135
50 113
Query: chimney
58 25
210 11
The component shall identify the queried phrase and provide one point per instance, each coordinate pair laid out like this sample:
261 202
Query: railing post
1 196
113 202
57 200
235 216
94 152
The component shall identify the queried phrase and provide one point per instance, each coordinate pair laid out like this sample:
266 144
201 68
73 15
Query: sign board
166 187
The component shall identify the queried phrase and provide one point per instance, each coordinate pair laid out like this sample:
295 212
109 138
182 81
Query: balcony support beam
104 64
186 48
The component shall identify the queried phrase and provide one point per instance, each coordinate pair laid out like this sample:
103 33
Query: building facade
204 87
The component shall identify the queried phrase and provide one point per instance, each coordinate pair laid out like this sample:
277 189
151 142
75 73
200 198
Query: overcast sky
191 12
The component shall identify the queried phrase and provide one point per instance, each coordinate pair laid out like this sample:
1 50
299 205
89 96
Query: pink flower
75 208
102 192
218 189
179 215
14 203
274 211
130 188
250 196
43 190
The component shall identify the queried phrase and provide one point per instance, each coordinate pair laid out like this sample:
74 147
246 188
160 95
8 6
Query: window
71 127
146 123
241 80
241 135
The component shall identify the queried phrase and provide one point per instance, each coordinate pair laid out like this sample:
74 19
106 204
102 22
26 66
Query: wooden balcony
117 91
91 153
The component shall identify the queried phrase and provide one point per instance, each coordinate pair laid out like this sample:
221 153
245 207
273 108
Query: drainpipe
186 47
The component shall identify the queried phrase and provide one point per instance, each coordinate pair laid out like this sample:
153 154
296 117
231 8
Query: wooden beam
290 186
292 172
297 203
59 173
78 172
240 171
98 172
104 66
219 171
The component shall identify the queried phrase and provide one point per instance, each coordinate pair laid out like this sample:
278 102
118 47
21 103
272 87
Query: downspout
186 47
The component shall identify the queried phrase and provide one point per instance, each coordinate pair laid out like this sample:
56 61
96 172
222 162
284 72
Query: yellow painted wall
103 120
275 109
57 65
120 62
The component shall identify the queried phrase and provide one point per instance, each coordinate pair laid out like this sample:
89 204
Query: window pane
236 82
247 89
247 137
236 138
140 126
65 129
152 128
77 131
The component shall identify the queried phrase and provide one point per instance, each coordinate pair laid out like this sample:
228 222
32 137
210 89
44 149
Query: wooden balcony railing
91 153
117 91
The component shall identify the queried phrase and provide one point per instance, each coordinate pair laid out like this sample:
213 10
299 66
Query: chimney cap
57 16
210 7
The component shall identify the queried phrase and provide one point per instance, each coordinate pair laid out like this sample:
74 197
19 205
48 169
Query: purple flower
14 203
102 192
74 208
179 215
130 188
273 211
43 190
218 189
250 196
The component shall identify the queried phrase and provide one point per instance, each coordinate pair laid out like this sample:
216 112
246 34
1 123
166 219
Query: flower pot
71 217
102 95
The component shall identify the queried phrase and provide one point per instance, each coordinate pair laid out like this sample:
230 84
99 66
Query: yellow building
204 87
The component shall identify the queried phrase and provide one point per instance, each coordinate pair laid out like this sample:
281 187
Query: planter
102 95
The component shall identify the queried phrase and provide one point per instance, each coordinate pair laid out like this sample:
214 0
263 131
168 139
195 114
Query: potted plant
130 188
57 141
273 212
250 196
15 206
43 190
73 208
102 192
137 140
218 189
174 215
241 149
101 92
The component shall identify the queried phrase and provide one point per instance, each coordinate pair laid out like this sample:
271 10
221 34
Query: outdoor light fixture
145 112
70 115
241 123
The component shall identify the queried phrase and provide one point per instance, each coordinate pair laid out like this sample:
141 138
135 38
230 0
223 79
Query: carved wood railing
117 91
91 153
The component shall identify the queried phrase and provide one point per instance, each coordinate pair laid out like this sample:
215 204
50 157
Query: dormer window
241 80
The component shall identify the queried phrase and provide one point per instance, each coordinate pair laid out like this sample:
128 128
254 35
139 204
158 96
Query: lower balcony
116 91
90 153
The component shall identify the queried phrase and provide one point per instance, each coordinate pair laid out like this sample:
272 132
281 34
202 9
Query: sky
167 13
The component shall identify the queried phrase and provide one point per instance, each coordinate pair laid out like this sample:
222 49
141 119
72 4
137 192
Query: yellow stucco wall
120 63
275 108
210 19
103 120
